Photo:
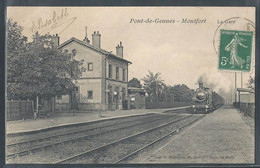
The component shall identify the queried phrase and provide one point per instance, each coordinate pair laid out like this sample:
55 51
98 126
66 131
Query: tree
182 93
16 48
15 40
38 68
251 83
134 83
153 85
168 96
160 92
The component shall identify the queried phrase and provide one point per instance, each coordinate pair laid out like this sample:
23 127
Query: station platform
220 137
60 119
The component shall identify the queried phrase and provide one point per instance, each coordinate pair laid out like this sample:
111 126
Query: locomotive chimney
200 81
200 85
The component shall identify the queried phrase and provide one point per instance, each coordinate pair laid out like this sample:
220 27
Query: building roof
109 54
245 90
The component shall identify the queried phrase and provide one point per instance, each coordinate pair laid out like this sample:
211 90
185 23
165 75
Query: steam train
205 100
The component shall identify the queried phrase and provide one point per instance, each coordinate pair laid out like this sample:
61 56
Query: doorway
74 98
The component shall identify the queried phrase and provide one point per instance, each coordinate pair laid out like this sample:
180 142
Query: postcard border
136 3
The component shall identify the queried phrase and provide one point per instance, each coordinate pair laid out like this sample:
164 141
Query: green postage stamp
235 50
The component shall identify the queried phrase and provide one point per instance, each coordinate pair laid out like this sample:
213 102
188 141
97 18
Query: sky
181 52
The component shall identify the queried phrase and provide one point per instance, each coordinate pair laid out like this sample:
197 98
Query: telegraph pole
235 87
241 79
231 95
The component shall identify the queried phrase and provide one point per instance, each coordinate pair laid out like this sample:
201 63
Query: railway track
13 139
76 130
72 136
134 153
121 150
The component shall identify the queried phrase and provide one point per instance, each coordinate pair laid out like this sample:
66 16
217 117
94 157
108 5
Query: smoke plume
217 81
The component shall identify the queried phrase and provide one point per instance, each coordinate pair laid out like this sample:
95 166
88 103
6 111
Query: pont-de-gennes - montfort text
157 20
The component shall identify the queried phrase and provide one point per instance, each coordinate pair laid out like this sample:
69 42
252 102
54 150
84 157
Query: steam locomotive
205 100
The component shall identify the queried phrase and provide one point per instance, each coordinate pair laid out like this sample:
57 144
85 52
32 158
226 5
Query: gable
81 49
90 47
89 56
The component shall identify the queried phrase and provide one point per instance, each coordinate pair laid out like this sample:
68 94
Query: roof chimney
86 35
96 39
56 39
119 50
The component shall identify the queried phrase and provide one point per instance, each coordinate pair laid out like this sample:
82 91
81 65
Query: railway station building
246 102
103 83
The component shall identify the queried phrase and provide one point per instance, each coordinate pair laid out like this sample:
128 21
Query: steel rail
68 133
155 141
27 151
117 141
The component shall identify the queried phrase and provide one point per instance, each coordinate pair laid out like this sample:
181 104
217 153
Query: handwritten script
57 19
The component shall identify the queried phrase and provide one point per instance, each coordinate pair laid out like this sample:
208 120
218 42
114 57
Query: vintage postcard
130 85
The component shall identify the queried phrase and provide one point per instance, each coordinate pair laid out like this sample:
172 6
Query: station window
123 74
74 52
110 71
90 94
90 66
75 89
117 73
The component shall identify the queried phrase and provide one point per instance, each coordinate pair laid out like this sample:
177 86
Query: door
74 98
110 98
116 97
124 102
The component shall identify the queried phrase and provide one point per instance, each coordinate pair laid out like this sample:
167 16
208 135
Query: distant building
246 101
103 85
136 98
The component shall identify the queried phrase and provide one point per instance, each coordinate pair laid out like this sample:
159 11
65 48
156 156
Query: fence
18 110
248 109
247 104
65 107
